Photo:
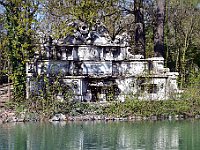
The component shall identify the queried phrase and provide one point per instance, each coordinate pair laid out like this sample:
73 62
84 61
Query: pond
159 135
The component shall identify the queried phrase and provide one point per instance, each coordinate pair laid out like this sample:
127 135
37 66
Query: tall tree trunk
139 30
159 29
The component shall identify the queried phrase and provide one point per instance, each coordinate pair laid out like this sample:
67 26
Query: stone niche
88 66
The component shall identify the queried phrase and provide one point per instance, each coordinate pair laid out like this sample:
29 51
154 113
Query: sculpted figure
100 28
99 34
124 38
76 36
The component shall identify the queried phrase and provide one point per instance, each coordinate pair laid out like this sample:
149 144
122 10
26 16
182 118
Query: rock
176 117
8 117
20 120
21 117
62 117
70 118
55 118
98 117
123 119
58 117
161 117
154 118
107 118
10 114
144 118
77 118
117 119
11 119
181 117
85 118
138 118
132 117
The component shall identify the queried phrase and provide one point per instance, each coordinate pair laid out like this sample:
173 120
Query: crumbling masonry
92 67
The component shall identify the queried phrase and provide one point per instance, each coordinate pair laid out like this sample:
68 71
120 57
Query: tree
159 29
182 28
19 26
139 29
59 13
2 50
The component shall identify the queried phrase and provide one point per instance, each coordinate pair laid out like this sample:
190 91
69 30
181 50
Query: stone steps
4 94
3 99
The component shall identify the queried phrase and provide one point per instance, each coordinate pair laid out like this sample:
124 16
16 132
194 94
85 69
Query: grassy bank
187 105
130 108
139 108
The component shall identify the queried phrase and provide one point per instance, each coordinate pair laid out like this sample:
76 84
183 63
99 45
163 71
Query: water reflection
176 135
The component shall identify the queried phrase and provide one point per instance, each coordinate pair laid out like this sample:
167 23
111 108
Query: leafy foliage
19 25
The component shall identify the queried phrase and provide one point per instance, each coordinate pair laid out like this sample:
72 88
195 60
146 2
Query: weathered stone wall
94 68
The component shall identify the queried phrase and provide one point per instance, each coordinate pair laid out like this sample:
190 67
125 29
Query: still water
161 135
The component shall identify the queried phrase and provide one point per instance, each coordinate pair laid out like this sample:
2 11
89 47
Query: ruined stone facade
92 67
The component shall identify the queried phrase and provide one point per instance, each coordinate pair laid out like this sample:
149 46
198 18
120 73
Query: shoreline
13 117
131 110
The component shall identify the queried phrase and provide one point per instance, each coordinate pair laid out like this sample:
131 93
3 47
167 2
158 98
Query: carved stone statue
81 34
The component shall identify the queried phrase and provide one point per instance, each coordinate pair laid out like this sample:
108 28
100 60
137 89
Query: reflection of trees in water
149 136
101 135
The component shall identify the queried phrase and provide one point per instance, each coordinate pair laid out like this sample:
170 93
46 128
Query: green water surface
160 135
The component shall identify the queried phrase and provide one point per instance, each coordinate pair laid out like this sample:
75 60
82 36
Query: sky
1 9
